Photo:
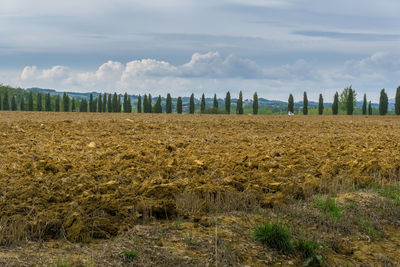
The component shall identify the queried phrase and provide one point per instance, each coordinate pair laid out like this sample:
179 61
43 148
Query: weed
308 251
390 191
178 225
129 255
368 228
330 208
213 221
274 235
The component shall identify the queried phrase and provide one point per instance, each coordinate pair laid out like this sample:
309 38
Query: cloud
56 73
351 36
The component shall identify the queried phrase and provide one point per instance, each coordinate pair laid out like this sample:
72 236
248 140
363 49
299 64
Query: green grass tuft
129 255
274 235
330 207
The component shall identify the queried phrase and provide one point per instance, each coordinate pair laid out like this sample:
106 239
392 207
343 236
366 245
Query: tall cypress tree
145 104
119 106
157 106
305 104
57 104
129 105
91 102
369 108
109 104
228 103
397 101
22 104
350 103
139 104
30 101
291 103
66 101
6 103
335 105
239 104
168 105
39 102
115 102
47 102
95 105
84 106
215 104
179 105
99 104
191 104
13 103
150 105
104 109
364 105
255 103
203 104
73 108
383 103
126 106
320 105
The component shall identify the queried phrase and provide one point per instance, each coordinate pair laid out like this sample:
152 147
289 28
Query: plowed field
85 176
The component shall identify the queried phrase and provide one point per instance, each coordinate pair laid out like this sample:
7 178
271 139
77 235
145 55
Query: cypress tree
369 108
22 107
191 104
119 106
239 105
168 105
320 105
104 109
255 103
228 103
139 104
350 103
335 105
73 109
13 103
157 106
6 104
364 106
126 106
397 101
39 102
109 104
129 105
203 104
145 104
95 104
84 106
30 101
66 102
305 104
291 103
57 104
47 103
215 104
91 102
179 105
99 104
383 103
149 105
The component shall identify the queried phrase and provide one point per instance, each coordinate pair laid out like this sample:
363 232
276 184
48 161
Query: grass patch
390 191
369 229
308 250
129 255
274 235
330 207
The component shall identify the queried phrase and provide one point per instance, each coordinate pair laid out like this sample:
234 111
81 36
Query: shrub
274 235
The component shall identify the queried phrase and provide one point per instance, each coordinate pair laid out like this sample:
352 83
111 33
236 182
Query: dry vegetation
187 190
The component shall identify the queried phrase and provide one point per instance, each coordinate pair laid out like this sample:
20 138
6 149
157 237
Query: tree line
37 101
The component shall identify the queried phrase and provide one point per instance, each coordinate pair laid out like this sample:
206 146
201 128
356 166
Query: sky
272 47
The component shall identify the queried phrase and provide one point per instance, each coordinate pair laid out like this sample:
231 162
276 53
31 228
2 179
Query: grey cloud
362 37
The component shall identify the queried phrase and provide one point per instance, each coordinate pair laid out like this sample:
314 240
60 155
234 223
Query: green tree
157 106
320 105
255 103
203 104
369 108
109 104
90 102
22 104
305 104
291 103
179 105
145 104
228 103
397 101
99 104
364 105
6 103
215 104
126 104
115 102
47 102
84 106
66 102
57 104
239 104
150 106
104 109
119 105
335 105
343 99
13 103
383 103
30 101
168 105
73 109
350 103
39 102
139 104
191 104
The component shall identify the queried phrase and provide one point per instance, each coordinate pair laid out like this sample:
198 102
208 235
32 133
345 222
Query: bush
274 235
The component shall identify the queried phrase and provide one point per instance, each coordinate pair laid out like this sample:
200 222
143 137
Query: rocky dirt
80 177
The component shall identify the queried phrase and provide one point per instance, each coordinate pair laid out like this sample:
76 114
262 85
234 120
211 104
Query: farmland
193 187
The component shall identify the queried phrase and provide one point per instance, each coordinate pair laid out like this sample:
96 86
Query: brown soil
87 176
